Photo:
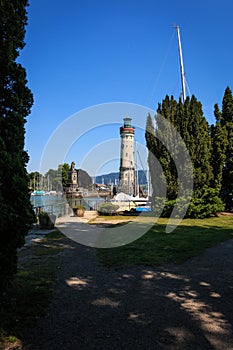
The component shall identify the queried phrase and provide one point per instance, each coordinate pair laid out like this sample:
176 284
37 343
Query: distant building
126 176
72 183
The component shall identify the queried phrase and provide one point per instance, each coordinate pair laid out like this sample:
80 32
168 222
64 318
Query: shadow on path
186 306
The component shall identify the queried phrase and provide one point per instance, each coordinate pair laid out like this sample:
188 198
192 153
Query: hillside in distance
84 179
112 177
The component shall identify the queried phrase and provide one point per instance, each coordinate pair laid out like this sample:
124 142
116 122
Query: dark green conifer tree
227 125
15 103
199 146
189 121
166 143
152 145
219 143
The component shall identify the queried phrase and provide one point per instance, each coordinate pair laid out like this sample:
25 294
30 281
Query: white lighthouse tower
126 177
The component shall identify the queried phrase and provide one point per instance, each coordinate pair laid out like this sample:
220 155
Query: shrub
209 204
200 207
46 220
82 207
108 209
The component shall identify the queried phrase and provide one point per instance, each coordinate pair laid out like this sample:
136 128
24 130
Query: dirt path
188 306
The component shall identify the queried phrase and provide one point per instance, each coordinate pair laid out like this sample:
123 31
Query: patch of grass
156 247
54 235
108 218
30 292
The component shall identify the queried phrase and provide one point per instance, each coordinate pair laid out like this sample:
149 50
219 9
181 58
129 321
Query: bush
199 208
167 206
108 209
82 207
209 204
46 220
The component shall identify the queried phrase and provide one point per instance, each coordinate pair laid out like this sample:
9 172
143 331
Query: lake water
58 204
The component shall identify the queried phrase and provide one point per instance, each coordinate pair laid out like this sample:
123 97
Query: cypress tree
153 145
189 121
219 143
227 126
167 141
16 100
199 147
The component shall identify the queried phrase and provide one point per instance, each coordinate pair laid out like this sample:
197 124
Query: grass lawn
31 289
156 247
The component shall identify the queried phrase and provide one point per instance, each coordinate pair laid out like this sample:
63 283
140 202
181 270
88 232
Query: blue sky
83 53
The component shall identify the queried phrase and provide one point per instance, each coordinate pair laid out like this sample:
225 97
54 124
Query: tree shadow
186 306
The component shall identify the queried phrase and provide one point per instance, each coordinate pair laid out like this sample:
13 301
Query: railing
58 209
65 208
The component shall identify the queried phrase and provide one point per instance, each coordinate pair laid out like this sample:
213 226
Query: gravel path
187 306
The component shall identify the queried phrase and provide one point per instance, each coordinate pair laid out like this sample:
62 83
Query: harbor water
59 205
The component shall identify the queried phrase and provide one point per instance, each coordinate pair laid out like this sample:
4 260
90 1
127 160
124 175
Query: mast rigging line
140 159
168 48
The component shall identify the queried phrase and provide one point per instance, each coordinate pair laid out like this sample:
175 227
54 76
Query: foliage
34 180
107 209
199 207
165 152
209 204
54 180
219 142
46 220
63 172
167 205
15 103
223 148
57 178
81 207
43 214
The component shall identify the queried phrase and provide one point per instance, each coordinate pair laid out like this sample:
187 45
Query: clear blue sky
81 53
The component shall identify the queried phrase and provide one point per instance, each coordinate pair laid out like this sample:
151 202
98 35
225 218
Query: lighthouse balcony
130 130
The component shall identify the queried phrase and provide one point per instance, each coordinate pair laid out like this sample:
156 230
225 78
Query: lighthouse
126 177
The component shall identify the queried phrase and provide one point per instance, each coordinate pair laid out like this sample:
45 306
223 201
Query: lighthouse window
126 154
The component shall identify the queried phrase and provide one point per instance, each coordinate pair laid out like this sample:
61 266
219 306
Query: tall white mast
181 64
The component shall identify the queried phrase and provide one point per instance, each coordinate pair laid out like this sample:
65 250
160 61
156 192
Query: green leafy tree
34 180
50 177
15 104
58 178
64 168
